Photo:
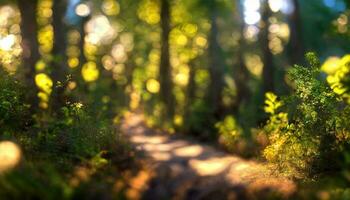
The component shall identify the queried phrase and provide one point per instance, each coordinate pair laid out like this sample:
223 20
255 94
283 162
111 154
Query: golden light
7 42
72 85
82 10
90 72
44 12
155 140
331 65
153 86
189 151
182 75
181 40
43 96
341 23
154 56
201 41
108 62
276 46
254 64
40 65
160 156
178 120
135 100
10 155
119 54
210 167
148 11
191 29
73 62
284 31
127 40
73 51
100 30
44 83
45 38
110 7
118 69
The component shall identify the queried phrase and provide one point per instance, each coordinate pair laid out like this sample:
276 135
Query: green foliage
340 79
309 141
13 110
230 132
201 122
54 145
77 133
34 181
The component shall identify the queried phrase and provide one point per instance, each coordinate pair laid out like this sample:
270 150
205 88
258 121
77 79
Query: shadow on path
183 169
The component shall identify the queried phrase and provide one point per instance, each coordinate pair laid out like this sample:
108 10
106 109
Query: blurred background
214 56
185 64
179 59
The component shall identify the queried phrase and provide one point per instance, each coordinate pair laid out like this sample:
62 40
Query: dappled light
174 99
210 167
10 155
189 151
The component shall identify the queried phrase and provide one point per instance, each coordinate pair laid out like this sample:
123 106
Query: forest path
184 169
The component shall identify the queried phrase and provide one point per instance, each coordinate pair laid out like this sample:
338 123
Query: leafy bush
230 132
77 133
339 76
13 110
308 130
34 181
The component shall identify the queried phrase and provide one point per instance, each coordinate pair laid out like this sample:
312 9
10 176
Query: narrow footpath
180 168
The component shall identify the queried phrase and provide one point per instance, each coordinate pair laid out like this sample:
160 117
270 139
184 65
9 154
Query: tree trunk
191 89
165 78
268 70
82 58
59 63
241 74
215 67
30 55
296 47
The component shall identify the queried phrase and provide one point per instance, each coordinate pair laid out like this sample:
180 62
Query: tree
268 70
165 78
59 65
30 55
241 74
296 47
215 62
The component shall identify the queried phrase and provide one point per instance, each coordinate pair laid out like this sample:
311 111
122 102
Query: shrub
13 110
77 133
34 181
307 130
230 133
339 76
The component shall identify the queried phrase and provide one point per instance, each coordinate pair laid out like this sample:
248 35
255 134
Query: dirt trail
183 169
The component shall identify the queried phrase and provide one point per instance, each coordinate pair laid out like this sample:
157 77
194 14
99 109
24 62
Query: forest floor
176 167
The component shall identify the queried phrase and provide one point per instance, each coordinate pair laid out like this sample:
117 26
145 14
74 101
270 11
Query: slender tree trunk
268 70
166 85
59 63
30 55
82 58
191 89
215 67
241 74
296 47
